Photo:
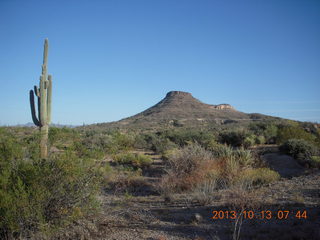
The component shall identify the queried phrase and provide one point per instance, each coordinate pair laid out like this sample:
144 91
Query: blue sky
114 58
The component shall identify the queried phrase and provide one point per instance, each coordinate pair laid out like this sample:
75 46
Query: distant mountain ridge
182 109
57 125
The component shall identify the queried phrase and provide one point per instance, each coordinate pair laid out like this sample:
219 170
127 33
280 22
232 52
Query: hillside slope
181 109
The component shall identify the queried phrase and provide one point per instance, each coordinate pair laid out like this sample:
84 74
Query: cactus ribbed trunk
44 94
44 130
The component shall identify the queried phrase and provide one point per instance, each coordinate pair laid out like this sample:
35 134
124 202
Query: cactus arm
39 112
36 91
49 97
33 109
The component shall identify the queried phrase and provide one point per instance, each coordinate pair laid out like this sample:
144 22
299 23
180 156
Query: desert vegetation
39 197
194 168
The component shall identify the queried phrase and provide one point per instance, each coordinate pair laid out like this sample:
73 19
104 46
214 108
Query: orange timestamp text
265 214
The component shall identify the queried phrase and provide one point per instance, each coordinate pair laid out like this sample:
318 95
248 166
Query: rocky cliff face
223 107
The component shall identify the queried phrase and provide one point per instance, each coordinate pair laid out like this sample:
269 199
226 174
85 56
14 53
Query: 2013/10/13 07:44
265 214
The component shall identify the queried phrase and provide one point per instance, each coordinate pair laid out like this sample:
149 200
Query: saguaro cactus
44 94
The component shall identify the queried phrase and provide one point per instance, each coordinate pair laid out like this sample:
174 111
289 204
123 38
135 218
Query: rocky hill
181 109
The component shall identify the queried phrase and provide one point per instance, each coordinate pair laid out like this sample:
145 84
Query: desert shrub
237 138
123 141
169 153
186 168
249 141
315 161
19 145
169 139
222 151
188 159
227 154
156 142
97 144
260 139
185 137
201 172
161 145
258 176
83 151
31 146
286 133
130 184
61 135
10 150
299 149
43 195
267 130
244 157
107 142
230 163
233 138
133 159
231 168
147 140
270 133
204 191
140 142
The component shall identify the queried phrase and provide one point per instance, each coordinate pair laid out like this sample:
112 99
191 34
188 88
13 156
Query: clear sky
114 58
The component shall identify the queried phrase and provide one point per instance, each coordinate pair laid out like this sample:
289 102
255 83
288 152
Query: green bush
83 151
222 151
299 149
266 130
258 176
169 153
242 156
162 141
249 141
140 142
184 137
237 138
315 161
123 141
270 133
260 139
61 135
160 145
134 159
293 132
107 142
43 195
10 150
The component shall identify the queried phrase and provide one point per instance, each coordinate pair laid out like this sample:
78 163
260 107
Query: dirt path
285 165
